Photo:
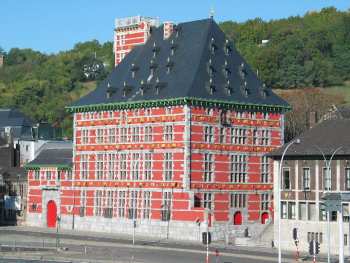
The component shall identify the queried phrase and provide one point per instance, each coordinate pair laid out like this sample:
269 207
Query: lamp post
297 141
328 170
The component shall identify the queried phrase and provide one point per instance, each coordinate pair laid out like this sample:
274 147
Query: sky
51 26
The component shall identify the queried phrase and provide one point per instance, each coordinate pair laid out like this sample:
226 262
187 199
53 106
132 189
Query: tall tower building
130 32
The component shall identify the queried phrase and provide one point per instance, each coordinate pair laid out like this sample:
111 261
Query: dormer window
169 65
228 87
211 87
213 46
155 49
110 91
242 71
142 87
133 69
126 89
173 47
227 70
228 48
153 66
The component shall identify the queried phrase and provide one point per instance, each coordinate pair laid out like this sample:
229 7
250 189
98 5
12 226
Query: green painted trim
178 101
39 166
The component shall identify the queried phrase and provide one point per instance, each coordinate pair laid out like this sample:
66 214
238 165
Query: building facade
174 146
306 178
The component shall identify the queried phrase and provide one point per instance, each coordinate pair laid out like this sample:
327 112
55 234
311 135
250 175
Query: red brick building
174 139
130 32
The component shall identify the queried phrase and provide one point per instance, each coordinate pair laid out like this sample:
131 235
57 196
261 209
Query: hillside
296 52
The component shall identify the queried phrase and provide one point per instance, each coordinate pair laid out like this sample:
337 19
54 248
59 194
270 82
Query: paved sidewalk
120 238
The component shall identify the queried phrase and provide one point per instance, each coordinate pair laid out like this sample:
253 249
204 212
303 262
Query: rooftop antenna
211 13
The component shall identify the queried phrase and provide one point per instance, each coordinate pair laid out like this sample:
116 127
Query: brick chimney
168 29
312 119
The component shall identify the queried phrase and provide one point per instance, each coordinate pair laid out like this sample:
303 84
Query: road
107 249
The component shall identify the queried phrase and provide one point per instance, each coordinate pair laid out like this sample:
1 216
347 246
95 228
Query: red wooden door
264 218
51 215
237 218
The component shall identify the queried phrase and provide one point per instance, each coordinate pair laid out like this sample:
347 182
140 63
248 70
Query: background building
13 184
305 181
173 139
49 174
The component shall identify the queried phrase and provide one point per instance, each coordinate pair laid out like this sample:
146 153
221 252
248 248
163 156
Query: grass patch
343 91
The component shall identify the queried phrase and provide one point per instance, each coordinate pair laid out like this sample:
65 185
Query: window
48 175
133 205
111 166
148 133
238 169
241 136
312 212
327 178
123 135
121 204
85 136
146 205
346 213
323 212
37 175
264 169
166 206
345 239
99 138
98 203
238 200
265 137
168 166
148 166
208 167
59 175
167 110
84 166
255 137
111 135
168 133
286 179
347 178
283 210
135 134
197 200
99 166
69 174
209 134
264 201
108 209
82 203
123 166
306 178
222 135
135 162
302 211
291 210
317 236
207 200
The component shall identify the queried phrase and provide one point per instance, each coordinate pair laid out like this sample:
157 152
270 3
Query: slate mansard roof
196 62
13 118
325 137
54 155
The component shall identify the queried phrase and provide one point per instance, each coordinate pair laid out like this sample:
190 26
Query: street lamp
328 170
297 141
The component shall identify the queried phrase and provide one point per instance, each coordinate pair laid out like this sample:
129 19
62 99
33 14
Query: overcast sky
54 25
